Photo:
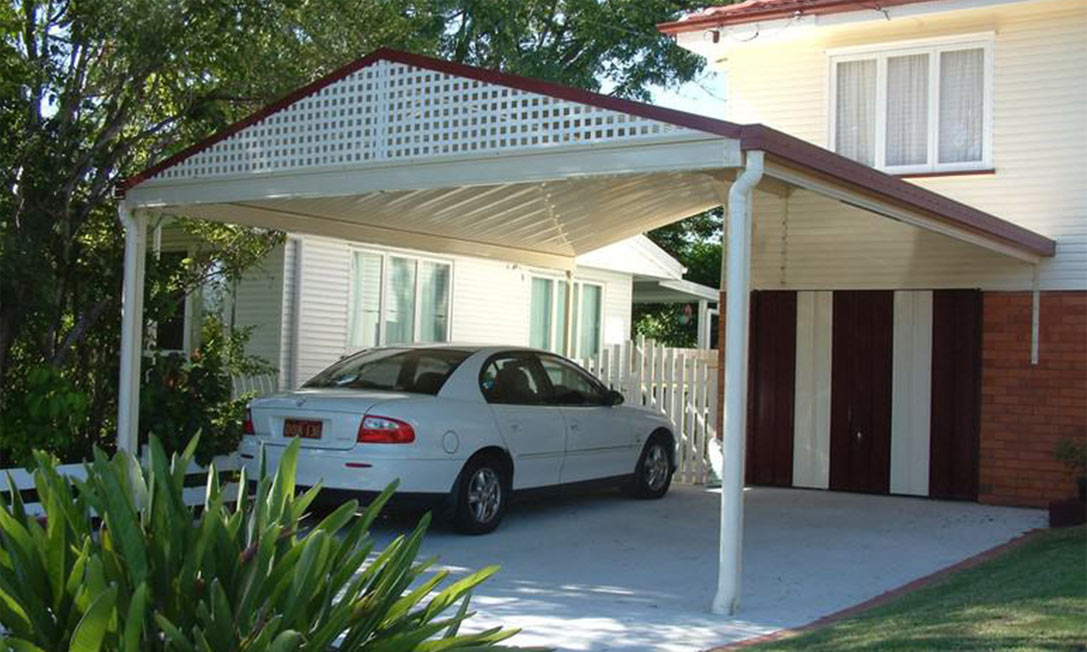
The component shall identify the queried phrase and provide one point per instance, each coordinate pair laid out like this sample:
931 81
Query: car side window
571 385
512 380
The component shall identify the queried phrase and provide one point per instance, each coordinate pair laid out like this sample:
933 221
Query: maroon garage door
771 382
860 396
956 394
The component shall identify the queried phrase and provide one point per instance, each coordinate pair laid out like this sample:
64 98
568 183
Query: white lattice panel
390 111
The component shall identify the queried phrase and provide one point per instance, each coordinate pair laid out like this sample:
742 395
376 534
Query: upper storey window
922 107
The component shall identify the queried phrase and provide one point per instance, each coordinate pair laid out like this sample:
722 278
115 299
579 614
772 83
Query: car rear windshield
416 371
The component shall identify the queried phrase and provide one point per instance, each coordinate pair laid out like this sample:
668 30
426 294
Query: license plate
302 428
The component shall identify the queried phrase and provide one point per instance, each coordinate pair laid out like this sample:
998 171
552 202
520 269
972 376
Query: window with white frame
920 107
546 316
398 299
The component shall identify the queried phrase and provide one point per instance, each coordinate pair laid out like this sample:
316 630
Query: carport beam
128 396
738 262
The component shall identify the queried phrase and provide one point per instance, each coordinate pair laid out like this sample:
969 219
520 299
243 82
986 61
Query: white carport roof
405 150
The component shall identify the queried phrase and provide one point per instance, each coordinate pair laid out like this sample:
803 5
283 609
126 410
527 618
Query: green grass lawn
1031 598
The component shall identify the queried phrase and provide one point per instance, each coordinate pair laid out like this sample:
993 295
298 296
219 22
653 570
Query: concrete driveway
605 572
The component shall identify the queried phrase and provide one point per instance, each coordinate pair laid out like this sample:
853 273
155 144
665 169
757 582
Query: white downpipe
738 261
128 396
1035 318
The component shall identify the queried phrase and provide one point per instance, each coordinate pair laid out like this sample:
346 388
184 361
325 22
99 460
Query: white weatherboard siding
1039 154
811 429
323 299
618 299
911 397
489 302
258 304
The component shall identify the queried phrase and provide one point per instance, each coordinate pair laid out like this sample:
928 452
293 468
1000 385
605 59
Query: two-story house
967 370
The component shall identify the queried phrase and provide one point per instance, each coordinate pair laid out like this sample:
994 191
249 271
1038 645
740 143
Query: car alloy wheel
484 494
656 467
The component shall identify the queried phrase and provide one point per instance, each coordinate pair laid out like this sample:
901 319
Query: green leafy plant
120 563
43 409
184 396
1073 453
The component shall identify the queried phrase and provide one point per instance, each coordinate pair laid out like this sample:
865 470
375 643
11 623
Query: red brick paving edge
887 596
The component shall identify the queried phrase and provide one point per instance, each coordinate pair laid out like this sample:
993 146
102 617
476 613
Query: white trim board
911 393
811 399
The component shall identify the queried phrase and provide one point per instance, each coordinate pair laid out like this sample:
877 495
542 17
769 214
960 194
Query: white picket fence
261 385
194 495
681 383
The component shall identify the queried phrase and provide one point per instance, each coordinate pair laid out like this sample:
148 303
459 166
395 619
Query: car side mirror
614 398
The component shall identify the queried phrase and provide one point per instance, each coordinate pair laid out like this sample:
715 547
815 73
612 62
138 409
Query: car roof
462 346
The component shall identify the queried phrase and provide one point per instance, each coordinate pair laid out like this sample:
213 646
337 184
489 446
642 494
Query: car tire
653 474
482 495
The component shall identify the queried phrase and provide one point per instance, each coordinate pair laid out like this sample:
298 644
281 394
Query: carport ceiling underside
407 151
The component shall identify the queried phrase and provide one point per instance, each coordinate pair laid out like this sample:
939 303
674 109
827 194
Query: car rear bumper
349 471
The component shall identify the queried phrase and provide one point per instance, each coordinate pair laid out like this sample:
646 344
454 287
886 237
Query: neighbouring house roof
639 256
787 151
754 10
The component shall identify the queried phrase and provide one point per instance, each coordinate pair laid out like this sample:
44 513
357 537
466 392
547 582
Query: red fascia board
641 109
859 176
740 14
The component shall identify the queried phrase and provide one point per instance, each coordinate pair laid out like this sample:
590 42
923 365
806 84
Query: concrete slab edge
887 596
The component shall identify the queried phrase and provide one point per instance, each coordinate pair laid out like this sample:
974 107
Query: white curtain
365 300
434 302
855 122
540 314
589 320
400 302
907 110
962 102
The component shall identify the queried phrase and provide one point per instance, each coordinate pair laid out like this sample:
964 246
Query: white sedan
463 428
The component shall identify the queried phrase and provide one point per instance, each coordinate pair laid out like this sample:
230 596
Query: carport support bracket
128 395
738 283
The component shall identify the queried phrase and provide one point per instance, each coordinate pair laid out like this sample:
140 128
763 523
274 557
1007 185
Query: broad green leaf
88 635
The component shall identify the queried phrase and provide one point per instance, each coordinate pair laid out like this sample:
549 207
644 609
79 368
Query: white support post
568 347
128 395
703 325
738 261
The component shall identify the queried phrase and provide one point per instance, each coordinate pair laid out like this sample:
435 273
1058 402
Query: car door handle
575 426
515 426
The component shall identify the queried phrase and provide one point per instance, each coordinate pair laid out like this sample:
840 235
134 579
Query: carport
403 150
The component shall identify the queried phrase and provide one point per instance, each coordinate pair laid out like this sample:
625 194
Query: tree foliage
94 90
696 243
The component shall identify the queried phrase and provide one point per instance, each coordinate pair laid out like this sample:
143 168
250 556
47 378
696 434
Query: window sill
945 173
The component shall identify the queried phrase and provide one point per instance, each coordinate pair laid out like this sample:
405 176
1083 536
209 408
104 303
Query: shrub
1073 453
43 409
153 575
181 397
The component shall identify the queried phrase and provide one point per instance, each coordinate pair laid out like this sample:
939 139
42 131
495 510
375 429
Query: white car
463 428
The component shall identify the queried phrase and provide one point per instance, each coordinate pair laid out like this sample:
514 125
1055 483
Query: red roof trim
862 177
756 10
751 137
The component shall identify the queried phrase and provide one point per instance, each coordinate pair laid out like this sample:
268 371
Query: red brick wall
1027 409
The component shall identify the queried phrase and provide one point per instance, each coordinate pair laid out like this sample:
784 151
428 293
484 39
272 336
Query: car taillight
383 430
247 425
